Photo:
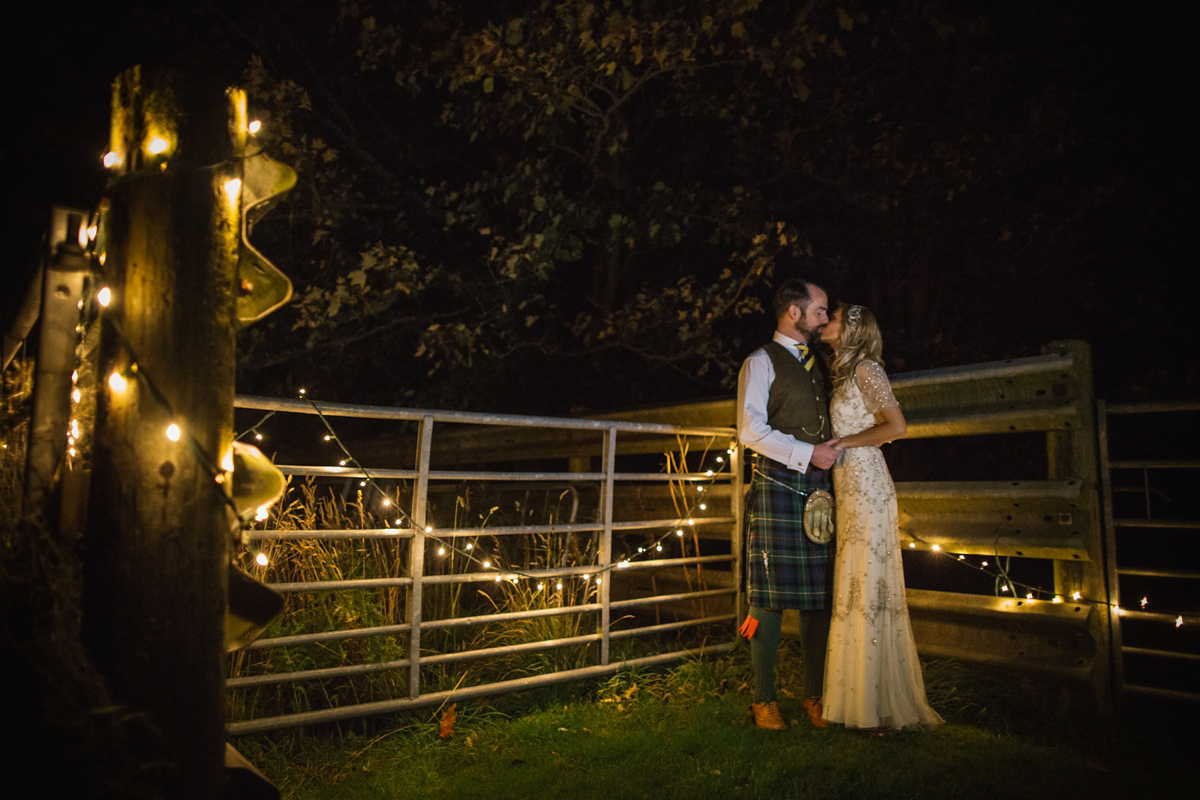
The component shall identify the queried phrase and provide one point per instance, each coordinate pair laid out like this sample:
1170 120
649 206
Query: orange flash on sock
748 628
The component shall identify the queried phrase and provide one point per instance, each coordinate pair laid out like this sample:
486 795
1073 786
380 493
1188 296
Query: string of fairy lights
118 382
996 567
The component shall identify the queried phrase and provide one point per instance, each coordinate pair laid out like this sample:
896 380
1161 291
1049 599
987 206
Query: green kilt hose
784 569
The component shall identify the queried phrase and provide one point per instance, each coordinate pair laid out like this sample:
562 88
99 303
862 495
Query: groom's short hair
792 292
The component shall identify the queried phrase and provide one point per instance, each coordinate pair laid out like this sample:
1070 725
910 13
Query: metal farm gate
597 570
1045 606
1148 454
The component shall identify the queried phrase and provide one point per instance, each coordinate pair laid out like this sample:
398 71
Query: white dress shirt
754 386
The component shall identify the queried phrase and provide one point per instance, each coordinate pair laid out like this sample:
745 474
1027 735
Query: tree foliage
537 205
576 193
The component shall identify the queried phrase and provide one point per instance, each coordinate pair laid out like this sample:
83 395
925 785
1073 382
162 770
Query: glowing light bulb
1145 602
261 559
157 145
623 564
302 393
691 522
961 558
497 579
703 507
441 551
112 158
342 463
541 586
232 187
586 577
260 515
1029 595
487 564
1076 595
936 548
679 532
387 501
255 126
92 230
362 483
558 586
470 546
227 460
76 395
1179 621
699 488
1004 589
328 437
720 459
912 544
599 581
709 473
983 564
173 432
1057 599
429 529
258 437
658 548
730 451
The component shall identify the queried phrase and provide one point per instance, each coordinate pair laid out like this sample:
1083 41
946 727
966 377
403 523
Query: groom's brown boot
766 715
815 713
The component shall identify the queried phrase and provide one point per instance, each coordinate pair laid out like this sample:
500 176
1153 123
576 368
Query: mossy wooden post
159 527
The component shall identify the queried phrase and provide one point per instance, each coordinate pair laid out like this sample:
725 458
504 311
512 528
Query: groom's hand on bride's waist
824 454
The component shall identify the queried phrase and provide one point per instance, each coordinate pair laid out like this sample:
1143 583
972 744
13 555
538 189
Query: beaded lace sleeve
873 382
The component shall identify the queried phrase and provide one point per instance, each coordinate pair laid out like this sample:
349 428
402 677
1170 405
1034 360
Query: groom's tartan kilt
784 569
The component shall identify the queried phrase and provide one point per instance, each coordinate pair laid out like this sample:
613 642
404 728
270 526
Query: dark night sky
1128 61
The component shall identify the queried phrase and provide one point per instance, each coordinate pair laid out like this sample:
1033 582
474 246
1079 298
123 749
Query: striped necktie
806 356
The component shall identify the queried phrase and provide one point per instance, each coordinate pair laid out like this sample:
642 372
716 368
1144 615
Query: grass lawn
685 732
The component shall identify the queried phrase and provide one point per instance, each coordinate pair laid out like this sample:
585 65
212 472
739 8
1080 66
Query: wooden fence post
1073 454
159 529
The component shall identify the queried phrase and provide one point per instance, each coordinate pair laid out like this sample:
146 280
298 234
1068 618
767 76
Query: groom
783 416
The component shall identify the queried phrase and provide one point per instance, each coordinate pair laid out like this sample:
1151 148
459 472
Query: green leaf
488 85
513 34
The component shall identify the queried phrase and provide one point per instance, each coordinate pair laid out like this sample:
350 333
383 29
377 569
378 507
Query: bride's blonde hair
861 341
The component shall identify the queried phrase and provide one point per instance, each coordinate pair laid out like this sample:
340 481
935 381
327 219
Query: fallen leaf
446 723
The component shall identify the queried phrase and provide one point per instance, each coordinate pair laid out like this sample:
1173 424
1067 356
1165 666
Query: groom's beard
811 335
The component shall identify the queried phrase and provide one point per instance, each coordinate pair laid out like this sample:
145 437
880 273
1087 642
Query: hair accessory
854 314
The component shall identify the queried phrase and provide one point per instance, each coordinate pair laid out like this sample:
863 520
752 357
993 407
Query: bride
872 678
